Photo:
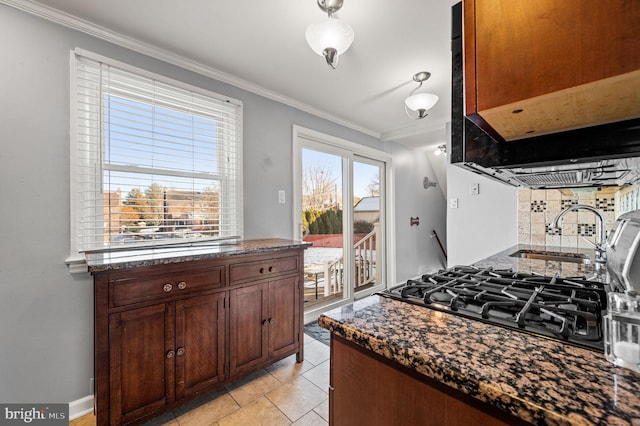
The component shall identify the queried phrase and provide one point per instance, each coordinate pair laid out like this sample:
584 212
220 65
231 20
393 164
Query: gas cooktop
566 309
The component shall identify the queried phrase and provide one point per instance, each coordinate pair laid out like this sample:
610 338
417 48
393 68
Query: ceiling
260 46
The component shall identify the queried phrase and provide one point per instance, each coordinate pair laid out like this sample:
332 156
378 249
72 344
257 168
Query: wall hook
427 183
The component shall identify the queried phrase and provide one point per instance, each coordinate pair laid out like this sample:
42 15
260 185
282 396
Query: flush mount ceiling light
420 103
440 149
331 37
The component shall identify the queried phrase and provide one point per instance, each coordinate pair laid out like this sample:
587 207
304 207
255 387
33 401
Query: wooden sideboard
168 333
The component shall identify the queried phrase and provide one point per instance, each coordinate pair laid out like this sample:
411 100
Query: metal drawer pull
167 288
180 351
182 285
170 354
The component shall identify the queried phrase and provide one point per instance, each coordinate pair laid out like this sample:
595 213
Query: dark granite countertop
537 379
113 260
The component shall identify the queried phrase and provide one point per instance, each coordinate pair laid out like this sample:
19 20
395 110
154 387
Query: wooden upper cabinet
543 66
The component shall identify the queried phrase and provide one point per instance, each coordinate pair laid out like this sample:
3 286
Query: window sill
77 264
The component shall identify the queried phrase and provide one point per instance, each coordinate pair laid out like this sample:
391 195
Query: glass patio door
324 190
368 224
339 207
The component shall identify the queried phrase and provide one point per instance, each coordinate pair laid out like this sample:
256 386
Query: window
154 161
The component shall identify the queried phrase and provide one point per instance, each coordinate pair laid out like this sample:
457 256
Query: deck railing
365 268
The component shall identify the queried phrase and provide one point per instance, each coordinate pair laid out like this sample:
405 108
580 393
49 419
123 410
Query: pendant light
331 37
420 103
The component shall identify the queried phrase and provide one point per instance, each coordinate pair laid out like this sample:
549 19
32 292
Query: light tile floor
285 393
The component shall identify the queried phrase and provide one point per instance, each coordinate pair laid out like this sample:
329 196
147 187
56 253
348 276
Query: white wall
46 314
483 224
416 251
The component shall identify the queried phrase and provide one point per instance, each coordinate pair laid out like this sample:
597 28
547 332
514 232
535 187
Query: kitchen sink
552 255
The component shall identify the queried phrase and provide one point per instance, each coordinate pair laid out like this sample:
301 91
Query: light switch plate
474 188
453 203
281 198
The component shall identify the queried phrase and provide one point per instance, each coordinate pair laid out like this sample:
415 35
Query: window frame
76 259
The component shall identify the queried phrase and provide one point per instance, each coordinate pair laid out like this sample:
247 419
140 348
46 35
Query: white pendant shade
330 33
421 101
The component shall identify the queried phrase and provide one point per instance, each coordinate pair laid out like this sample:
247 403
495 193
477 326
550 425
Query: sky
363 173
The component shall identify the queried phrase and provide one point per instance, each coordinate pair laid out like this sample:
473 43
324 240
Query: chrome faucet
600 247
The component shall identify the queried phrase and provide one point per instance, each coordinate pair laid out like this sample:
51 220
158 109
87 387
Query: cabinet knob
180 351
265 322
270 268
262 270
167 288
182 285
270 320
170 354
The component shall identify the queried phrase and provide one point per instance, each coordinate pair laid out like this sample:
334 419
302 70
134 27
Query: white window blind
156 161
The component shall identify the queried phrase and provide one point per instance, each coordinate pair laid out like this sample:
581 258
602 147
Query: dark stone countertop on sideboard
539 380
104 261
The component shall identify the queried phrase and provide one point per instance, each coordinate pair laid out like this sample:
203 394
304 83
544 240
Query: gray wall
46 314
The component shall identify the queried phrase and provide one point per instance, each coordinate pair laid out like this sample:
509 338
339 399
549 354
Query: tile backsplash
538 207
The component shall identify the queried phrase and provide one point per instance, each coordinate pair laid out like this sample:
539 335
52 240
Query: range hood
602 155
592 174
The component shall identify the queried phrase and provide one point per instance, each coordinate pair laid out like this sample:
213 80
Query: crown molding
405 132
70 21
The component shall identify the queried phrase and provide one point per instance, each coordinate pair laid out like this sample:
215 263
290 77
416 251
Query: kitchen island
513 376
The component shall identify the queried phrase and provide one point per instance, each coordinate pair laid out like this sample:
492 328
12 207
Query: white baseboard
81 407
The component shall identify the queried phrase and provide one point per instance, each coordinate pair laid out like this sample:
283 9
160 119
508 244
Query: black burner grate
568 309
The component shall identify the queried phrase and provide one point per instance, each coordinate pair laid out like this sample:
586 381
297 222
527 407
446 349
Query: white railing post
365 252
327 279
376 230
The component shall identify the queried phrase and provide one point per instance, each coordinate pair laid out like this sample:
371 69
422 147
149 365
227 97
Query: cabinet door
248 309
539 67
142 361
200 329
283 315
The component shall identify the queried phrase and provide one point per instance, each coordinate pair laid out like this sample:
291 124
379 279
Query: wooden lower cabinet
186 333
141 380
248 337
367 389
199 350
265 322
284 316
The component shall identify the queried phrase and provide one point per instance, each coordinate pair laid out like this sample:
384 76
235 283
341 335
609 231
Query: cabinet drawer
263 268
136 288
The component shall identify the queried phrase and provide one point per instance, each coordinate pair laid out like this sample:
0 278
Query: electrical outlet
474 189
453 203
281 198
